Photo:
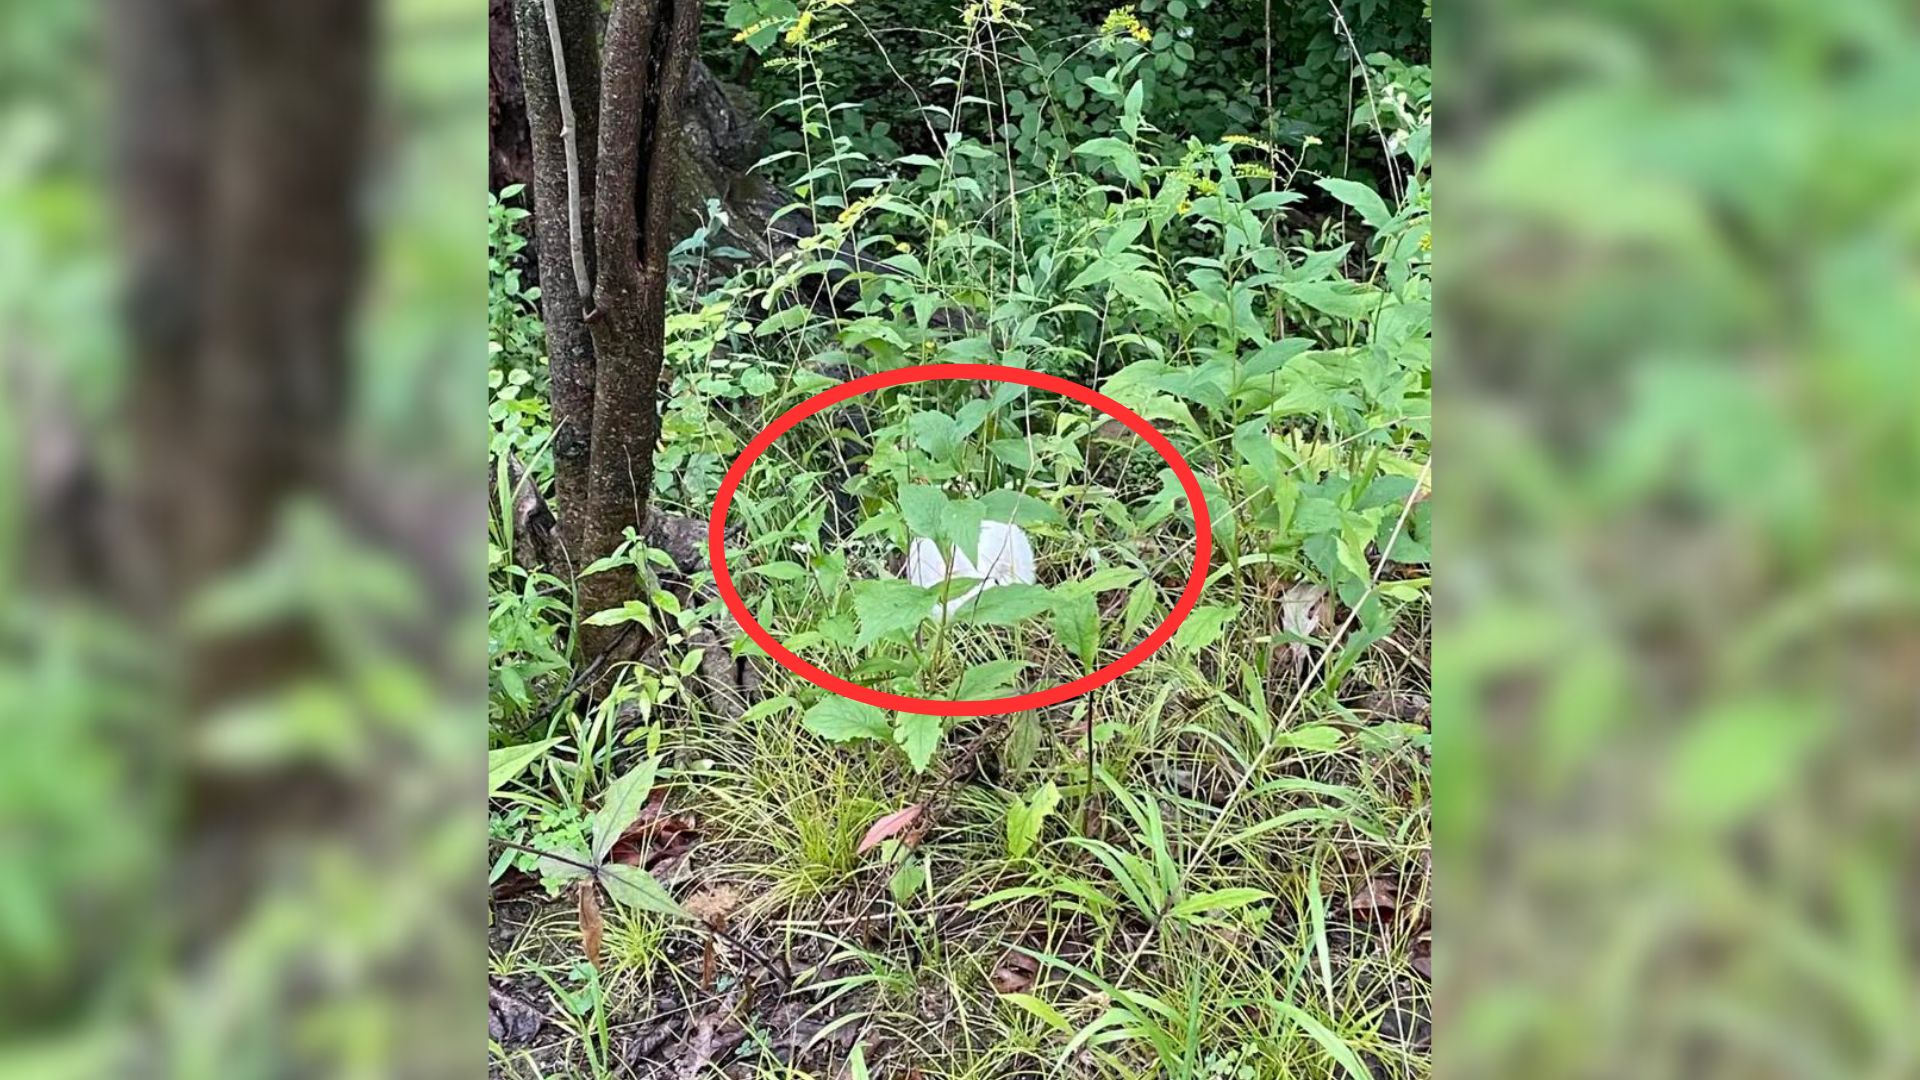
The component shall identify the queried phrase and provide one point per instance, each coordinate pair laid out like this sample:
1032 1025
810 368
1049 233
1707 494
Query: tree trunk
238 158
510 148
649 45
570 355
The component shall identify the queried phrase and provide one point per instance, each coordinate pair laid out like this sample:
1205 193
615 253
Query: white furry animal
1006 557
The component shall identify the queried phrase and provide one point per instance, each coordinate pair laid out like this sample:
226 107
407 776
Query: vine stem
576 242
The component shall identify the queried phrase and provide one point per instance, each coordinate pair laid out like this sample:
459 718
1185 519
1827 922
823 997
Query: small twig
555 856
575 240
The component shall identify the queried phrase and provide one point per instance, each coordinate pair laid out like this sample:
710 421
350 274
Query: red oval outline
737 472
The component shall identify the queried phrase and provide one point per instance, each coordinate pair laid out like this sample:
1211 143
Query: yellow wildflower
1141 33
797 33
1426 242
1121 20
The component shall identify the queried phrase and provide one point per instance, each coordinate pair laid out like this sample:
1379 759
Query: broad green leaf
936 433
1343 299
919 736
785 319
960 527
1017 508
888 606
621 805
1105 579
1107 148
1025 819
1324 738
1005 605
981 681
1204 626
842 719
1373 210
1740 754
633 611
924 509
634 888
1076 622
508 762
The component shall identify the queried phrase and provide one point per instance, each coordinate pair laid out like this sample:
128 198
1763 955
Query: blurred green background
1678 655
1678 661
286 880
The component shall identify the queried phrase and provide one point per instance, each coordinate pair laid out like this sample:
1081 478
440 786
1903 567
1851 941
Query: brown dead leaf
1379 898
510 1021
1015 973
593 927
1422 960
1305 611
655 840
713 905
888 827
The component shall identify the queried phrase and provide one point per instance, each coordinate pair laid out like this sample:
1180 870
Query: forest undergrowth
1214 866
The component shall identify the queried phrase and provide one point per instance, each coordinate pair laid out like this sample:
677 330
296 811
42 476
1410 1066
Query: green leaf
919 736
1219 900
1005 605
785 319
981 680
960 527
924 509
621 805
1373 210
778 571
1105 579
1204 626
1343 299
1017 508
888 606
634 888
508 762
633 611
1076 622
936 433
1025 819
1107 148
1046 1013
1334 1045
841 719
1323 738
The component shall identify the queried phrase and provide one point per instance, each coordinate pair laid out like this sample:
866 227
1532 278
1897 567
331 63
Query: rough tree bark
569 346
605 362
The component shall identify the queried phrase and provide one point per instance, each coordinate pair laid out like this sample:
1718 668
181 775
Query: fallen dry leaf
1304 611
714 904
1015 973
1378 898
510 1020
655 837
888 827
1422 961
593 927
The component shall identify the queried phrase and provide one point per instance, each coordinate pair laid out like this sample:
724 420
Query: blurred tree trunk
241 144
238 154
605 334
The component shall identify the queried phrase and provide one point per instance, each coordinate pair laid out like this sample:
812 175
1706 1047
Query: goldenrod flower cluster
1122 21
